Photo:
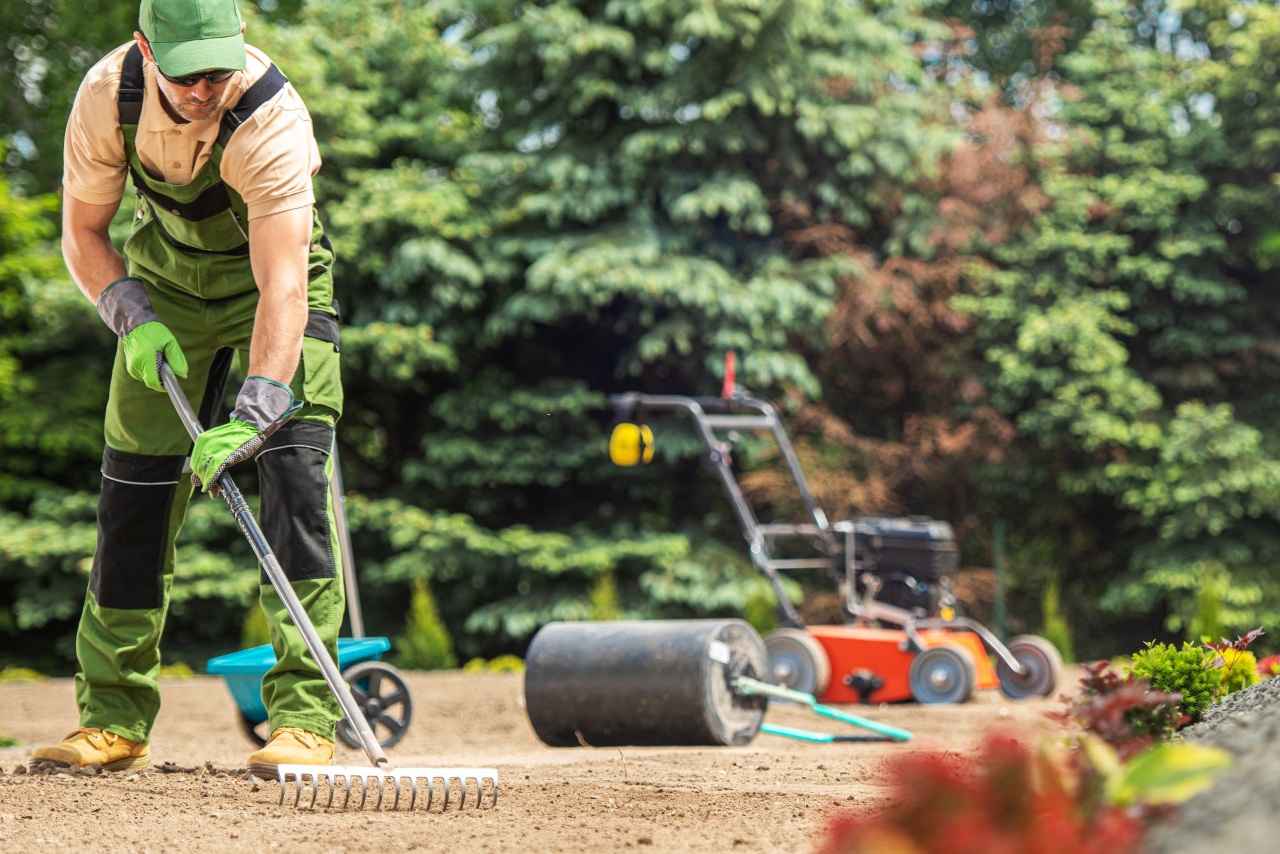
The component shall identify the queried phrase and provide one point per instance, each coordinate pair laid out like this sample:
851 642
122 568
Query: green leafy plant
1239 666
1187 671
426 644
1239 670
1199 674
604 598
501 664
1056 628
7 740
1163 775
760 611
254 631
13 673
1136 708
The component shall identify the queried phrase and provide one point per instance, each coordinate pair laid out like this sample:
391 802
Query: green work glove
145 346
126 309
262 406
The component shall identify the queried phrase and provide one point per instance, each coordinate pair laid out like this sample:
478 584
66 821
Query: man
227 258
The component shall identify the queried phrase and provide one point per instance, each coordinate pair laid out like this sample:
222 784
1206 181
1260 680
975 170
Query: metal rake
314 777
381 775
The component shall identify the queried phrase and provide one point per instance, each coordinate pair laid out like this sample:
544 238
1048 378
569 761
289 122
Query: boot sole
118 765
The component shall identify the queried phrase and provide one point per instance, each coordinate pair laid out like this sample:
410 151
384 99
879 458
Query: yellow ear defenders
630 444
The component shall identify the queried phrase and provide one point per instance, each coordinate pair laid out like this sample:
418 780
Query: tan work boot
290 745
89 745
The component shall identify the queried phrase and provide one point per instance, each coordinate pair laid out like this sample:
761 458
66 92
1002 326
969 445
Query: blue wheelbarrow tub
242 671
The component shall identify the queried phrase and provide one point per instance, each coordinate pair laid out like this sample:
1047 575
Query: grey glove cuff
262 402
124 306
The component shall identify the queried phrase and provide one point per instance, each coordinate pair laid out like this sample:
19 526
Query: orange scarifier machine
901 638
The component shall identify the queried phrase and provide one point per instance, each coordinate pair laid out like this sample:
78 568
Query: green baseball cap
187 36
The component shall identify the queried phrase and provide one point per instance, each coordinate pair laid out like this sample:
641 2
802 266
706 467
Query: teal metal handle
884 729
816 737
747 685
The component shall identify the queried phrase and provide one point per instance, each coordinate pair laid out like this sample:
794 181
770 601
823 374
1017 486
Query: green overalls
190 246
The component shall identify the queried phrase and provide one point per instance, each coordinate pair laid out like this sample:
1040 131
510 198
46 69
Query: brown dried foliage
893 333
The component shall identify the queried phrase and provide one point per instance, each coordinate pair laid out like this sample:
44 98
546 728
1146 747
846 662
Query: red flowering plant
1124 710
1006 799
1094 791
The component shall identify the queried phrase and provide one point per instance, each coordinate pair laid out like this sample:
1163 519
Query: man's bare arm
278 249
91 258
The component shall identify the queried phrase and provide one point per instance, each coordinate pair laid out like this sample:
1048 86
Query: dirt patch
772 795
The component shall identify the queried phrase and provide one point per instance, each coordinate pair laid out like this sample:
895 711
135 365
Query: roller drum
655 682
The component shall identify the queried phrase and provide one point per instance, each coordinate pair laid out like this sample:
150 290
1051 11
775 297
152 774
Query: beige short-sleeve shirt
269 161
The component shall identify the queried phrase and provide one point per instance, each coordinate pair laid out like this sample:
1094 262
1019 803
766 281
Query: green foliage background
993 267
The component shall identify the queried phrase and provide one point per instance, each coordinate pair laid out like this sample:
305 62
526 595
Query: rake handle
261 548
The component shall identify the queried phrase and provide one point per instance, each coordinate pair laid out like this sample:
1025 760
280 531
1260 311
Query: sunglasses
214 77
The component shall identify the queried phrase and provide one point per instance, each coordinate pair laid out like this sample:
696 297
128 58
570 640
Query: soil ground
773 795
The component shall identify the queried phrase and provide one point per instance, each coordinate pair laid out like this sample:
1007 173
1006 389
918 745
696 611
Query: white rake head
480 783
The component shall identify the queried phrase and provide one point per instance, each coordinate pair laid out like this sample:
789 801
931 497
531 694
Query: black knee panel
135 508
295 500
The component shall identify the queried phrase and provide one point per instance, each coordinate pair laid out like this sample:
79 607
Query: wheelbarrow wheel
383 697
942 674
798 661
1041 665
253 730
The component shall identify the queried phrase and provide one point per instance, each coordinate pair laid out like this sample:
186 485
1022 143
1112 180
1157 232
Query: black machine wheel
1041 666
383 697
797 661
942 674
253 730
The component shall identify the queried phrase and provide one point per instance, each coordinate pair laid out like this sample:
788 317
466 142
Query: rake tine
464 792
305 775
462 784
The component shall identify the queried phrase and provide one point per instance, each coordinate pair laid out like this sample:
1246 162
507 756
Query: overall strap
129 101
263 90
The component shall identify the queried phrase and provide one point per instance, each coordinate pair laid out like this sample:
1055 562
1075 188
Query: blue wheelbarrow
379 689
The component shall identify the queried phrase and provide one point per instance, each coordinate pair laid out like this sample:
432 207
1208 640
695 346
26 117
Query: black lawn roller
653 682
